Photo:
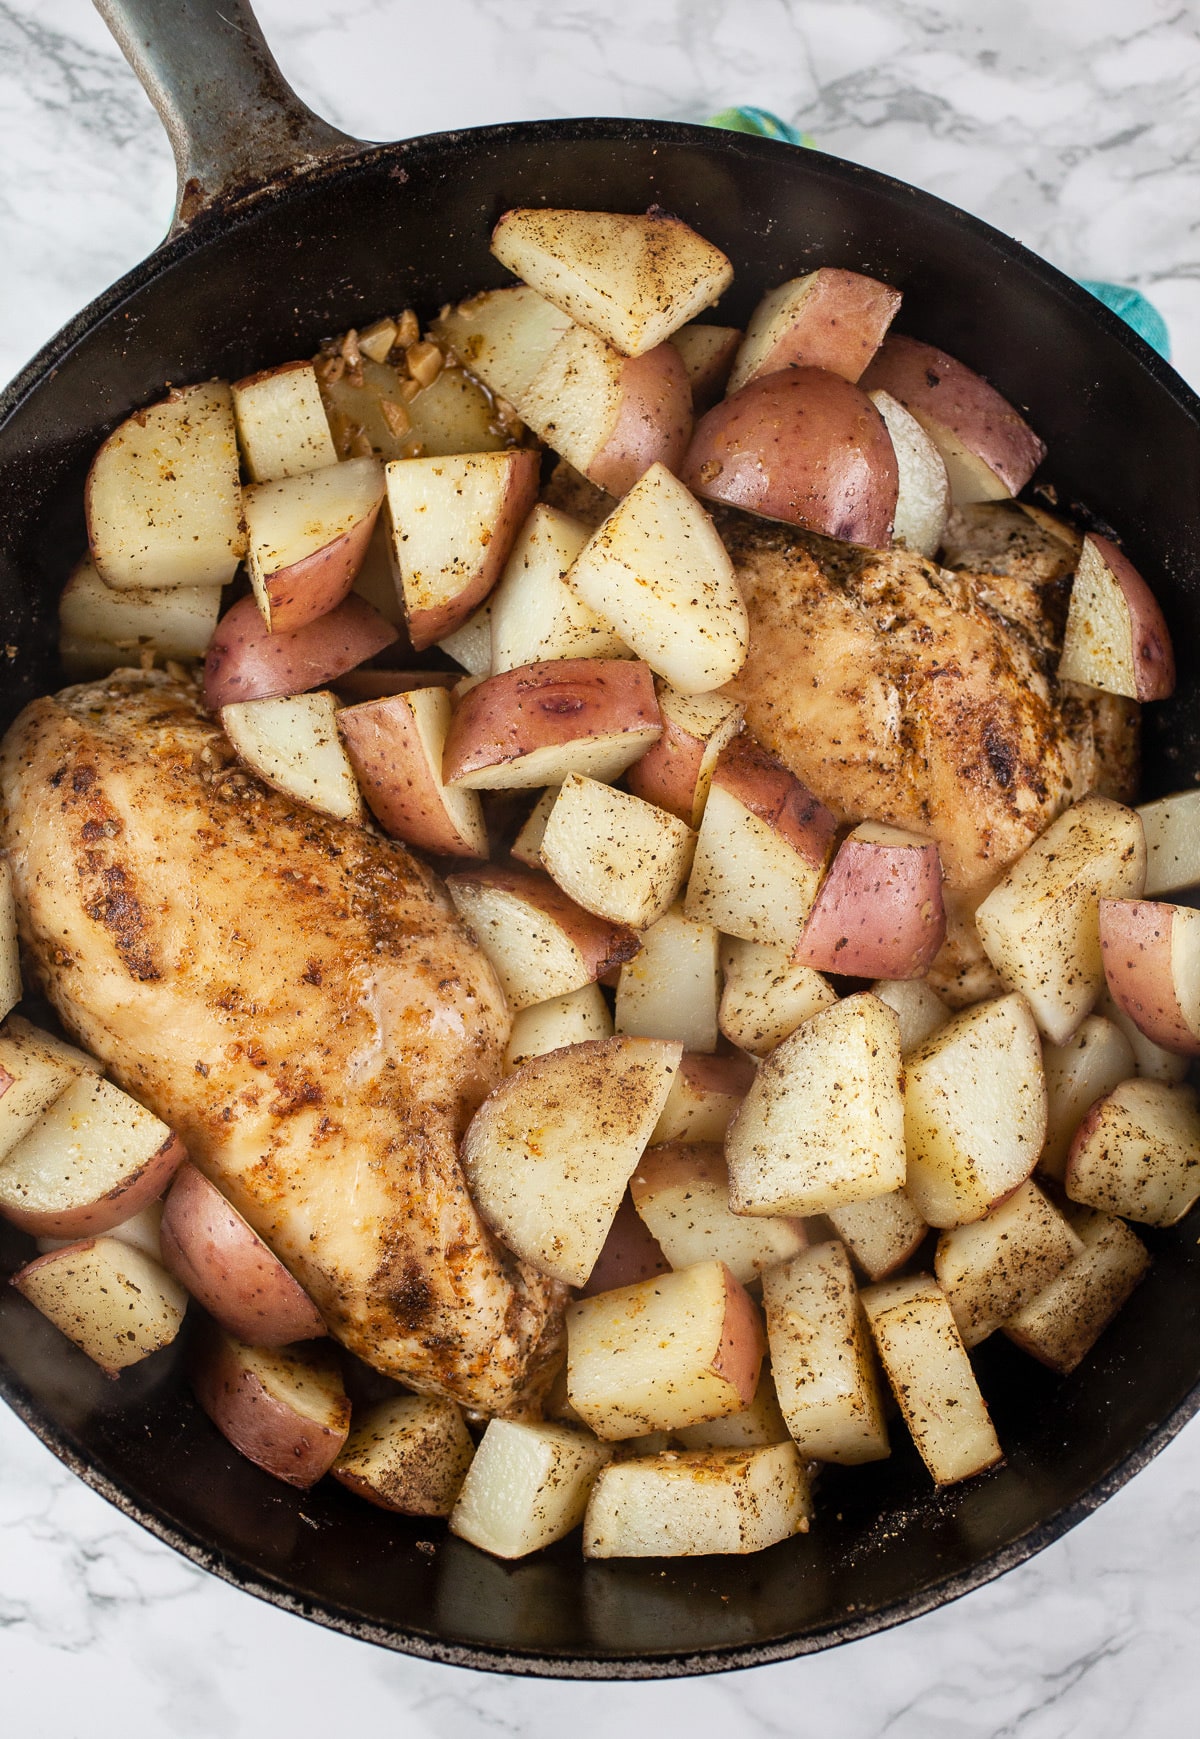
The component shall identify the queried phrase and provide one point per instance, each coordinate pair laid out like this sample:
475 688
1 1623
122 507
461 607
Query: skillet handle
234 122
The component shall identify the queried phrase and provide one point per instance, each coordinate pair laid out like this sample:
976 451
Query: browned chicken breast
295 996
905 692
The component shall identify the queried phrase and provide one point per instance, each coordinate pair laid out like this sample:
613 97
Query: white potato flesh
35 1068
10 955
453 520
377 581
882 1234
409 1454
1115 639
1063 1323
564 1020
708 353
755 1426
503 336
613 854
281 422
994 1266
974 1111
308 536
681 1192
690 1503
927 1366
292 743
633 279
527 846
1172 829
540 943
658 571
823 1121
923 496
1151 1060
283 1408
1097 1059
1151 952
549 1152
670 1351
114 1302
163 500
765 997
1040 926
142 1231
671 988
471 644
704 1096
920 1008
535 616
821 1358
676 771
100 629
1137 1153
90 1147
527 1486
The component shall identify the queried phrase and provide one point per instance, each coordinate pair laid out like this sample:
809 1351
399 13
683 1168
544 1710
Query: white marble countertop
1075 127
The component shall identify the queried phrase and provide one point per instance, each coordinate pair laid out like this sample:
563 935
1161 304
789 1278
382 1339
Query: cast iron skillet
288 231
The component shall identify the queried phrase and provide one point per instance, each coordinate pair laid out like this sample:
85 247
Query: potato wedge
670 989
526 848
658 571
454 520
1137 1153
878 912
1063 1323
829 318
535 617
704 1096
922 486
633 279
765 997
246 661
666 1352
974 1111
708 353
283 1408
1151 1061
1172 829
116 1303
754 1427
281 422
995 1266
292 743
35 1068
527 1486
1097 1059
100 629
395 747
821 1358
689 1503
503 336
549 1152
1116 638
308 536
1040 925
927 1366
471 644
676 771
681 1190
10 956
533 726
1151 954
762 847
920 1008
881 1234
93 1158
541 943
616 856
162 498
409 1454
564 1020
823 1121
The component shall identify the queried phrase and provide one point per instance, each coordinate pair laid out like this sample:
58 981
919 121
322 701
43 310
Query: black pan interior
409 224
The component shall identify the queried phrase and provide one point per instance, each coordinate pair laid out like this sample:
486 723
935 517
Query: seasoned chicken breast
295 996
905 692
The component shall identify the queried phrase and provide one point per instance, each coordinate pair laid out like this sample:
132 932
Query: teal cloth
1135 309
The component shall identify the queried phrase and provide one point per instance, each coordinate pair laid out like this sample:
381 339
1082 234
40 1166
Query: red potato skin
717 1074
768 789
928 381
1153 655
265 1430
604 946
803 446
739 1356
92 1218
668 773
247 662
507 716
427 626
878 913
394 775
630 1253
1135 940
840 326
310 589
653 423
224 1264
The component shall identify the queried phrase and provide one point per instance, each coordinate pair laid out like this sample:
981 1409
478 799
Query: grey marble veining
1074 126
